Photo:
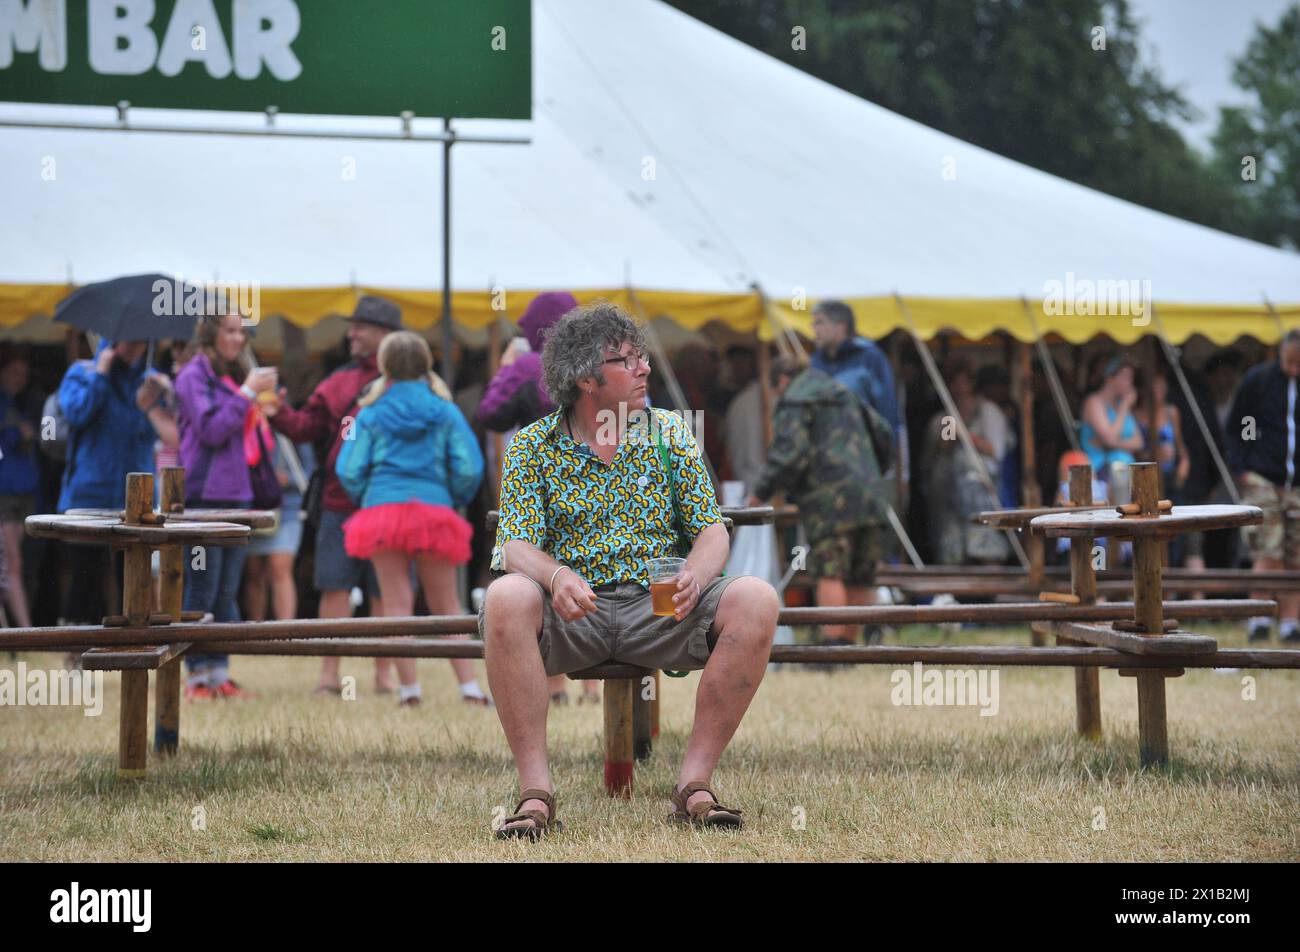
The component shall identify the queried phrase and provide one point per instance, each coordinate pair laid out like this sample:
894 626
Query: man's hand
509 355
688 593
104 362
572 598
753 501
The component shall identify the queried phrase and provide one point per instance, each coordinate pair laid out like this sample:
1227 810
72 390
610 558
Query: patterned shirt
603 520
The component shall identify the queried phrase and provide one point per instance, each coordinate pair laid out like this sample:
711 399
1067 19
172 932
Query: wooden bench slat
1169 643
148 657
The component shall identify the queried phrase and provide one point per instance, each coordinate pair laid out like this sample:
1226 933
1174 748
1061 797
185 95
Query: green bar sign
455 58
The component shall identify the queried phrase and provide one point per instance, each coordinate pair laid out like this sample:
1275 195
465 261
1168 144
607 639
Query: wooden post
137 605
641 744
133 724
1148 610
1031 494
137 581
167 683
618 737
1083 584
654 708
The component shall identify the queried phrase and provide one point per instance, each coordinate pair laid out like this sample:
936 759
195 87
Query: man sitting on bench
586 499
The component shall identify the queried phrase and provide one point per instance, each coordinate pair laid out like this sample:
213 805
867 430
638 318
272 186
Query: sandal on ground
703 814
589 697
328 689
542 823
559 698
477 701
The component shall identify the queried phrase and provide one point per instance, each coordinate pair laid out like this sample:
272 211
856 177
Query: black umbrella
138 307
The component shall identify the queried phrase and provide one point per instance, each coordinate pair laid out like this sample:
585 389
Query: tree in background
1258 146
1028 79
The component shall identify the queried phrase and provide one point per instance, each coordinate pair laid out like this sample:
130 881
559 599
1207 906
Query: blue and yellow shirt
603 520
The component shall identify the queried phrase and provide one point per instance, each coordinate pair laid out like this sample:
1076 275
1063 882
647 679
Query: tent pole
497 440
1030 493
787 341
1172 355
1152 449
963 434
448 371
763 357
1053 379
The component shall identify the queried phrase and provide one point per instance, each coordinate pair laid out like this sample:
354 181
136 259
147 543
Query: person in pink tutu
410 462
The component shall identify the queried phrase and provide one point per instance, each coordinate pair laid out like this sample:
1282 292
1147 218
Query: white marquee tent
667 160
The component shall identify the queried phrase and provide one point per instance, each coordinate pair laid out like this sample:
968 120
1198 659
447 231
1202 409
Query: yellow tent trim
973 318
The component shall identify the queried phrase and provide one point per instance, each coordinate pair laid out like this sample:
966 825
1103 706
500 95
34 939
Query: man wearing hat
326 418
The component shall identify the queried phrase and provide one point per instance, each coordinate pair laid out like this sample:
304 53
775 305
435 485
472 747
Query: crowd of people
371 473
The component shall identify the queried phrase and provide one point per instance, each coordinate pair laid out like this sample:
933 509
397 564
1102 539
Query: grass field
293 776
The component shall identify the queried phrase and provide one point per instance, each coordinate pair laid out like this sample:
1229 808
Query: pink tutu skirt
415 528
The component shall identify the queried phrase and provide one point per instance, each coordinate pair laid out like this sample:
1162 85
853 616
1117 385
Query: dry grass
292 776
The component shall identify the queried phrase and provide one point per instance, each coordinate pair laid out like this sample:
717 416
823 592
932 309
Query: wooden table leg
641 743
1153 725
137 605
654 709
133 726
1083 584
1148 607
618 737
167 684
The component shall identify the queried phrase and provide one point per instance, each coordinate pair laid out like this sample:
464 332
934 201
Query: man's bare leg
517 678
746 624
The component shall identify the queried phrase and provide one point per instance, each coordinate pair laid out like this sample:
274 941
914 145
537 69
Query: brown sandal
543 823
703 814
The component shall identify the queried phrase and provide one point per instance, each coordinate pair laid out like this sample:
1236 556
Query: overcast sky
1194 44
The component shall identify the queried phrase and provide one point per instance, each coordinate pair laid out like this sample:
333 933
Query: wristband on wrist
248 391
551 586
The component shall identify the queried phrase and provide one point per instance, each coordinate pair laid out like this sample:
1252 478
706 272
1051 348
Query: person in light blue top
409 460
1110 434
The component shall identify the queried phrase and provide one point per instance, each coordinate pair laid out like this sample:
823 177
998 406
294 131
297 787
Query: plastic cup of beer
663 584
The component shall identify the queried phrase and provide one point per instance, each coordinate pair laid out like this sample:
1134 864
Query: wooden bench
133 647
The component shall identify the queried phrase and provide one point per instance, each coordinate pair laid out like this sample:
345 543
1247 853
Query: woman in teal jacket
409 462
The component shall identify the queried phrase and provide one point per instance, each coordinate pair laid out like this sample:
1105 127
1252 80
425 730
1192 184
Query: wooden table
1146 634
138 529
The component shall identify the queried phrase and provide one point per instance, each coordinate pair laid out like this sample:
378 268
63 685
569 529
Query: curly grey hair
575 348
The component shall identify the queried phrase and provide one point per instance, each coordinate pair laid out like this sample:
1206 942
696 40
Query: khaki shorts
850 556
1278 536
622 629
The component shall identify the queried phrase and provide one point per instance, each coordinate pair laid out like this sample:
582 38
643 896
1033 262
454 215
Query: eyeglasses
630 362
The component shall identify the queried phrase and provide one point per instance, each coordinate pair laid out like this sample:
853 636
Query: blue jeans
214 589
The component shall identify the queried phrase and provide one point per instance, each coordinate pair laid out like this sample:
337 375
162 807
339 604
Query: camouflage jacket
821 456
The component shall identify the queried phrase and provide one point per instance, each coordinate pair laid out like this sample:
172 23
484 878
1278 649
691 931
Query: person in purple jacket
220 426
516 397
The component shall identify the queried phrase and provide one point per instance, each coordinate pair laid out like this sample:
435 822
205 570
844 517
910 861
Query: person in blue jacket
409 462
857 363
115 412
